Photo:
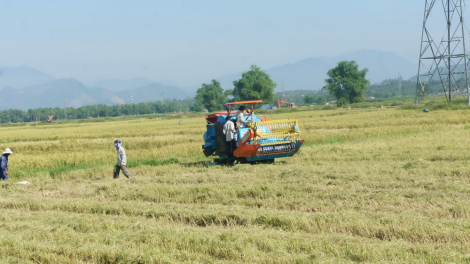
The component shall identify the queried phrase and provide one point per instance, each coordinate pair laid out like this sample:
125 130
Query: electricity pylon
444 62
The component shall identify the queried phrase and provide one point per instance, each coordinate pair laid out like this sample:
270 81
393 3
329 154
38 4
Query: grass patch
67 168
152 162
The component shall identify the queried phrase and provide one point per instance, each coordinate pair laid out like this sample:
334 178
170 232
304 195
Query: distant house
370 98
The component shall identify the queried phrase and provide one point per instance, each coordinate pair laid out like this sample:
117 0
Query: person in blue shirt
4 164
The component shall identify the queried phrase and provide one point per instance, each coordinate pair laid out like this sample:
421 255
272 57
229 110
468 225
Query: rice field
373 185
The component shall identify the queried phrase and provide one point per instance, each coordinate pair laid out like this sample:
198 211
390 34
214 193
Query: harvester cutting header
257 139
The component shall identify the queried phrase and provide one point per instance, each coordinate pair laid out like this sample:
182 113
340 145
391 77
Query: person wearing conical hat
4 164
241 122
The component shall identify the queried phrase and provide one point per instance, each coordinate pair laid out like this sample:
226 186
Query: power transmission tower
132 97
444 62
65 111
400 81
283 91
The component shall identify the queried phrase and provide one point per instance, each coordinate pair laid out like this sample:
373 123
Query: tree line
97 111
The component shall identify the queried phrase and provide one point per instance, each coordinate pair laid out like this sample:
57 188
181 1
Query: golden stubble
375 185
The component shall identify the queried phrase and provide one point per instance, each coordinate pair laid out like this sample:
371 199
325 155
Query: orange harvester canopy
245 102
253 102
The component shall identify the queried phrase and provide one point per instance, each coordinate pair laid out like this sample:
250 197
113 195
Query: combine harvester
260 141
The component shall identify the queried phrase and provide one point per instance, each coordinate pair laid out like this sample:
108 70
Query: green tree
196 108
211 96
347 81
255 84
320 100
309 99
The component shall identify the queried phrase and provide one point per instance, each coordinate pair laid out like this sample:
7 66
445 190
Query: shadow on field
206 163
195 164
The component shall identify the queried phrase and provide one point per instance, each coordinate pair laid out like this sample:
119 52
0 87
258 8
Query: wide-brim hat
7 151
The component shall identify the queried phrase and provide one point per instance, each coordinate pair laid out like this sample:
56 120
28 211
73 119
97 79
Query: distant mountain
23 76
310 74
58 93
441 73
26 88
46 91
121 85
153 92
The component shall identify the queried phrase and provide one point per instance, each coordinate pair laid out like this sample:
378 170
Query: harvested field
371 185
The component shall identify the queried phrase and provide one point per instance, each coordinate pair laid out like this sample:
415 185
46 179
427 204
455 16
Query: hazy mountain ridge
121 85
58 93
27 88
22 76
72 93
153 92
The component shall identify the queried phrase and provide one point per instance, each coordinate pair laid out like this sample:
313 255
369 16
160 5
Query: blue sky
191 42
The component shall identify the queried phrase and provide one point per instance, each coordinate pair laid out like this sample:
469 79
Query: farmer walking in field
4 164
121 160
229 131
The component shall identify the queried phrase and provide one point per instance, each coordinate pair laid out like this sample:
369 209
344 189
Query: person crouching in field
4 164
121 160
